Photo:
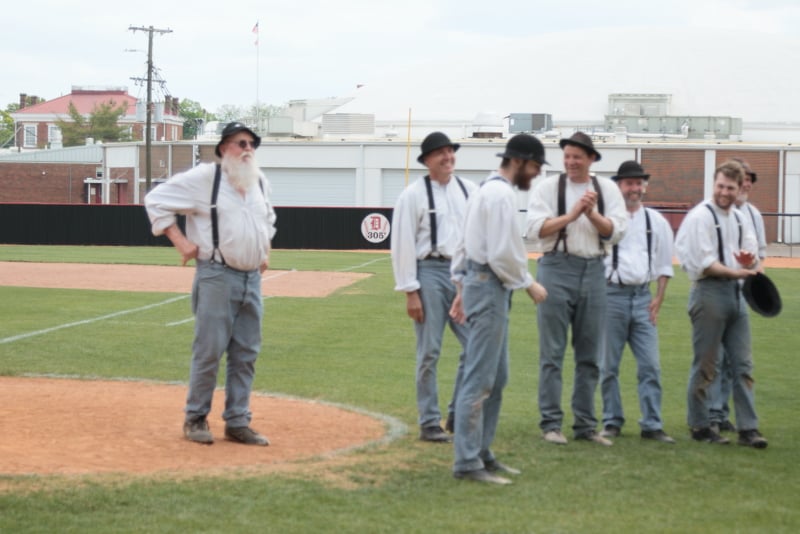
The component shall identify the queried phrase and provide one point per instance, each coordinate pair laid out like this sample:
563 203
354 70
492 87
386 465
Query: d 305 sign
375 228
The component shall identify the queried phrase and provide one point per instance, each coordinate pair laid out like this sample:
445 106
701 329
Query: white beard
242 172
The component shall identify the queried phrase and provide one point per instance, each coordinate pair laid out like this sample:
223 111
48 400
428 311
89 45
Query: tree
194 116
254 116
6 129
102 124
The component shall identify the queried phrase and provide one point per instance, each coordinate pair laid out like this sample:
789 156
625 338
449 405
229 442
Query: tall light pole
148 110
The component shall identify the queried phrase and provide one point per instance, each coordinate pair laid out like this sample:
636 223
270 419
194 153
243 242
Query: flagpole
258 63
408 144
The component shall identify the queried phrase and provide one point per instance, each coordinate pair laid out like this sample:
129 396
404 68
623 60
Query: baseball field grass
356 347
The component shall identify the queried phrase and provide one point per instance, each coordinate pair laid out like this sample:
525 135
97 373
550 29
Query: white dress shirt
755 219
492 235
696 244
246 224
411 226
582 236
633 267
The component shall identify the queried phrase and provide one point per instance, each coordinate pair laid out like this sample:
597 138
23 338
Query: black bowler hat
233 128
630 169
583 141
762 295
524 146
435 141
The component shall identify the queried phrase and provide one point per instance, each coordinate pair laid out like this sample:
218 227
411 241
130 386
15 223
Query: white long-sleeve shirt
582 236
755 218
246 224
632 260
492 235
411 226
696 244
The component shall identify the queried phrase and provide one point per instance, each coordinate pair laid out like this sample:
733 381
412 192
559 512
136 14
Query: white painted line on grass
89 321
363 264
190 319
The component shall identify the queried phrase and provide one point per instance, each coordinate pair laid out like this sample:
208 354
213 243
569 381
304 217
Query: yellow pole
408 144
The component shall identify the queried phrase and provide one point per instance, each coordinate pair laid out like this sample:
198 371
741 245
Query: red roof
84 100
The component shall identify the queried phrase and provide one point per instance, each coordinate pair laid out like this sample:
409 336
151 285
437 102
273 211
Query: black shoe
752 438
197 430
450 425
434 434
481 475
726 426
495 466
657 435
610 431
246 435
708 435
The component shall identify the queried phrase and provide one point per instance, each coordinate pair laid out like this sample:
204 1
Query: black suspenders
615 250
214 219
432 210
562 208
214 224
719 233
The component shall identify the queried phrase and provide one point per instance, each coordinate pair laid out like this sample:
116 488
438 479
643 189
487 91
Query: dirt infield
163 279
67 427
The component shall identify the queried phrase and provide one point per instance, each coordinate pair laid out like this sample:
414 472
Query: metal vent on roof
348 124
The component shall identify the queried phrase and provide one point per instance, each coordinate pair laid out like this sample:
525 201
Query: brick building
36 119
372 173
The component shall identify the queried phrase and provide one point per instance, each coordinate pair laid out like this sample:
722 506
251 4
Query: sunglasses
243 144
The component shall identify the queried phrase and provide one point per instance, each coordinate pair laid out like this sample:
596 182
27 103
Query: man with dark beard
490 262
229 225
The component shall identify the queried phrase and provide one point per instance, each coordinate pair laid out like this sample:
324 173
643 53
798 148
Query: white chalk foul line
88 321
363 264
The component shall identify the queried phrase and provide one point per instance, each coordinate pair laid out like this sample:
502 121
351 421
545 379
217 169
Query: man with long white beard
229 226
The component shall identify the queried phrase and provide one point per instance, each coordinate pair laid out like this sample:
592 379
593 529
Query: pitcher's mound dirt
59 426
62 426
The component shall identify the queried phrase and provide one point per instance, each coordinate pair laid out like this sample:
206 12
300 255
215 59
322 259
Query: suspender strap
432 215
615 250
214 220
753 217
719 233
432 209
562 208
464 189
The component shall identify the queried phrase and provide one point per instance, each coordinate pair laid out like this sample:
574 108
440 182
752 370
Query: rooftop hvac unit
530 122
348 124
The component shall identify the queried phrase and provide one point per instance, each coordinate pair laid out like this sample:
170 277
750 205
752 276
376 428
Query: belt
436 258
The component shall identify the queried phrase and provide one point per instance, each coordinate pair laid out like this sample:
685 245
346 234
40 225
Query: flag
255 31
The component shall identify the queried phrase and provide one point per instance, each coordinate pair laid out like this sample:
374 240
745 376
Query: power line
148 109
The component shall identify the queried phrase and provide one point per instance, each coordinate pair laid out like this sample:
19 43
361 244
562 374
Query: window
53 133
30 136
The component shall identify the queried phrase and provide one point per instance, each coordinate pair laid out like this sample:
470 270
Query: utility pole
149 111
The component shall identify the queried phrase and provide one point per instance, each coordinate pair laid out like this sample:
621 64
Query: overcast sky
317 48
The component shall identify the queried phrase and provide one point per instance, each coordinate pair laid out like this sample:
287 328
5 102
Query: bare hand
414 306
536 292
188 252
264 266
745 258
588 201
457 310
653 309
